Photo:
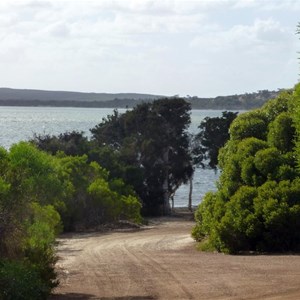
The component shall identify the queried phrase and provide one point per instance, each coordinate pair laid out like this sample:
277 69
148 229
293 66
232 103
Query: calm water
21 123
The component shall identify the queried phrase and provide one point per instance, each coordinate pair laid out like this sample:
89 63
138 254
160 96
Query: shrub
21 281
257 204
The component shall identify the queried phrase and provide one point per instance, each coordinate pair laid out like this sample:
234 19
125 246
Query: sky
202 48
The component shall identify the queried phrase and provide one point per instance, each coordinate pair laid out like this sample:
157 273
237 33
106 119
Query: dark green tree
214 133
152 139
71 143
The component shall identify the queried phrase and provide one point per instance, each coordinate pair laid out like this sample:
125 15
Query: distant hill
8 94
234 102
27 97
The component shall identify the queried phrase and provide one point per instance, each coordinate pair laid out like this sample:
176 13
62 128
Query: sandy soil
161 262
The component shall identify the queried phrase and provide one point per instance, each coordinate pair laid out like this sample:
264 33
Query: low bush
20 280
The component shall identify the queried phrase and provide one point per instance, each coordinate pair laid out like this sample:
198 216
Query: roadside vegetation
257 204
67 183
41 195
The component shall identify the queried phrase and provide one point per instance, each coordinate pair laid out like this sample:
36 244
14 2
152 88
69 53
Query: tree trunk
190 193
166 203
172 199
166 194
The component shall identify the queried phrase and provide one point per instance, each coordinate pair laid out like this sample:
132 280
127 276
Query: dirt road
160 262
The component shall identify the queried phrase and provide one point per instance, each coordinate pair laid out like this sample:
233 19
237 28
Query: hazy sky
204 48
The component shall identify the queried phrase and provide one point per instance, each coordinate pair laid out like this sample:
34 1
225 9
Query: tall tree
153 139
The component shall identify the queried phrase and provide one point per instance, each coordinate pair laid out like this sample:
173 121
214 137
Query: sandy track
160 262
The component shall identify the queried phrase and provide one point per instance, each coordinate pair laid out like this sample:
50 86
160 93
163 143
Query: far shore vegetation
18 97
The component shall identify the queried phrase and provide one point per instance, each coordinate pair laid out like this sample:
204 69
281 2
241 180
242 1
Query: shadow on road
76 296
72 296
130 298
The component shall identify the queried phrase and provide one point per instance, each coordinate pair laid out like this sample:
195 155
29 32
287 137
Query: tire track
161 263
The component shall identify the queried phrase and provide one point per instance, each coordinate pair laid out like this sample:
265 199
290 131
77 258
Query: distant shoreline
36 98
90 104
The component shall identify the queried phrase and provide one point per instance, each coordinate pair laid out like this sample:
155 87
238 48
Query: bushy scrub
20 280
30 193
131 208
91 198
257 204
41 194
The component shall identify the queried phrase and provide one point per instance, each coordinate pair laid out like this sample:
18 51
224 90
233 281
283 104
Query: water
21 123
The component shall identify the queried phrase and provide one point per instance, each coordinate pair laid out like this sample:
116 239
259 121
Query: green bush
39 194
21 281
249 124
257 204
131 208
281 133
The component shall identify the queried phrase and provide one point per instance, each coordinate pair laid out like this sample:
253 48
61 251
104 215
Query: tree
71 143
152 139
205 146
214 133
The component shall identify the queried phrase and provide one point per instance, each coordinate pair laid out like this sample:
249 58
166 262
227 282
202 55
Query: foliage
149 147
281 132
233 102
71 143
43 225
20 280
28 221
249 124
146 147
91 198
297 122
214 133
40 194
256 206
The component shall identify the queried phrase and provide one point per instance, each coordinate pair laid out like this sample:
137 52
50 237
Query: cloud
35 4
59 29
145 44
160 7
269 5
245 55
261 33
246 4
293 5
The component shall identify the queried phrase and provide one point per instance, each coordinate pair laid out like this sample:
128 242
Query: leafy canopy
152 143
256 206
